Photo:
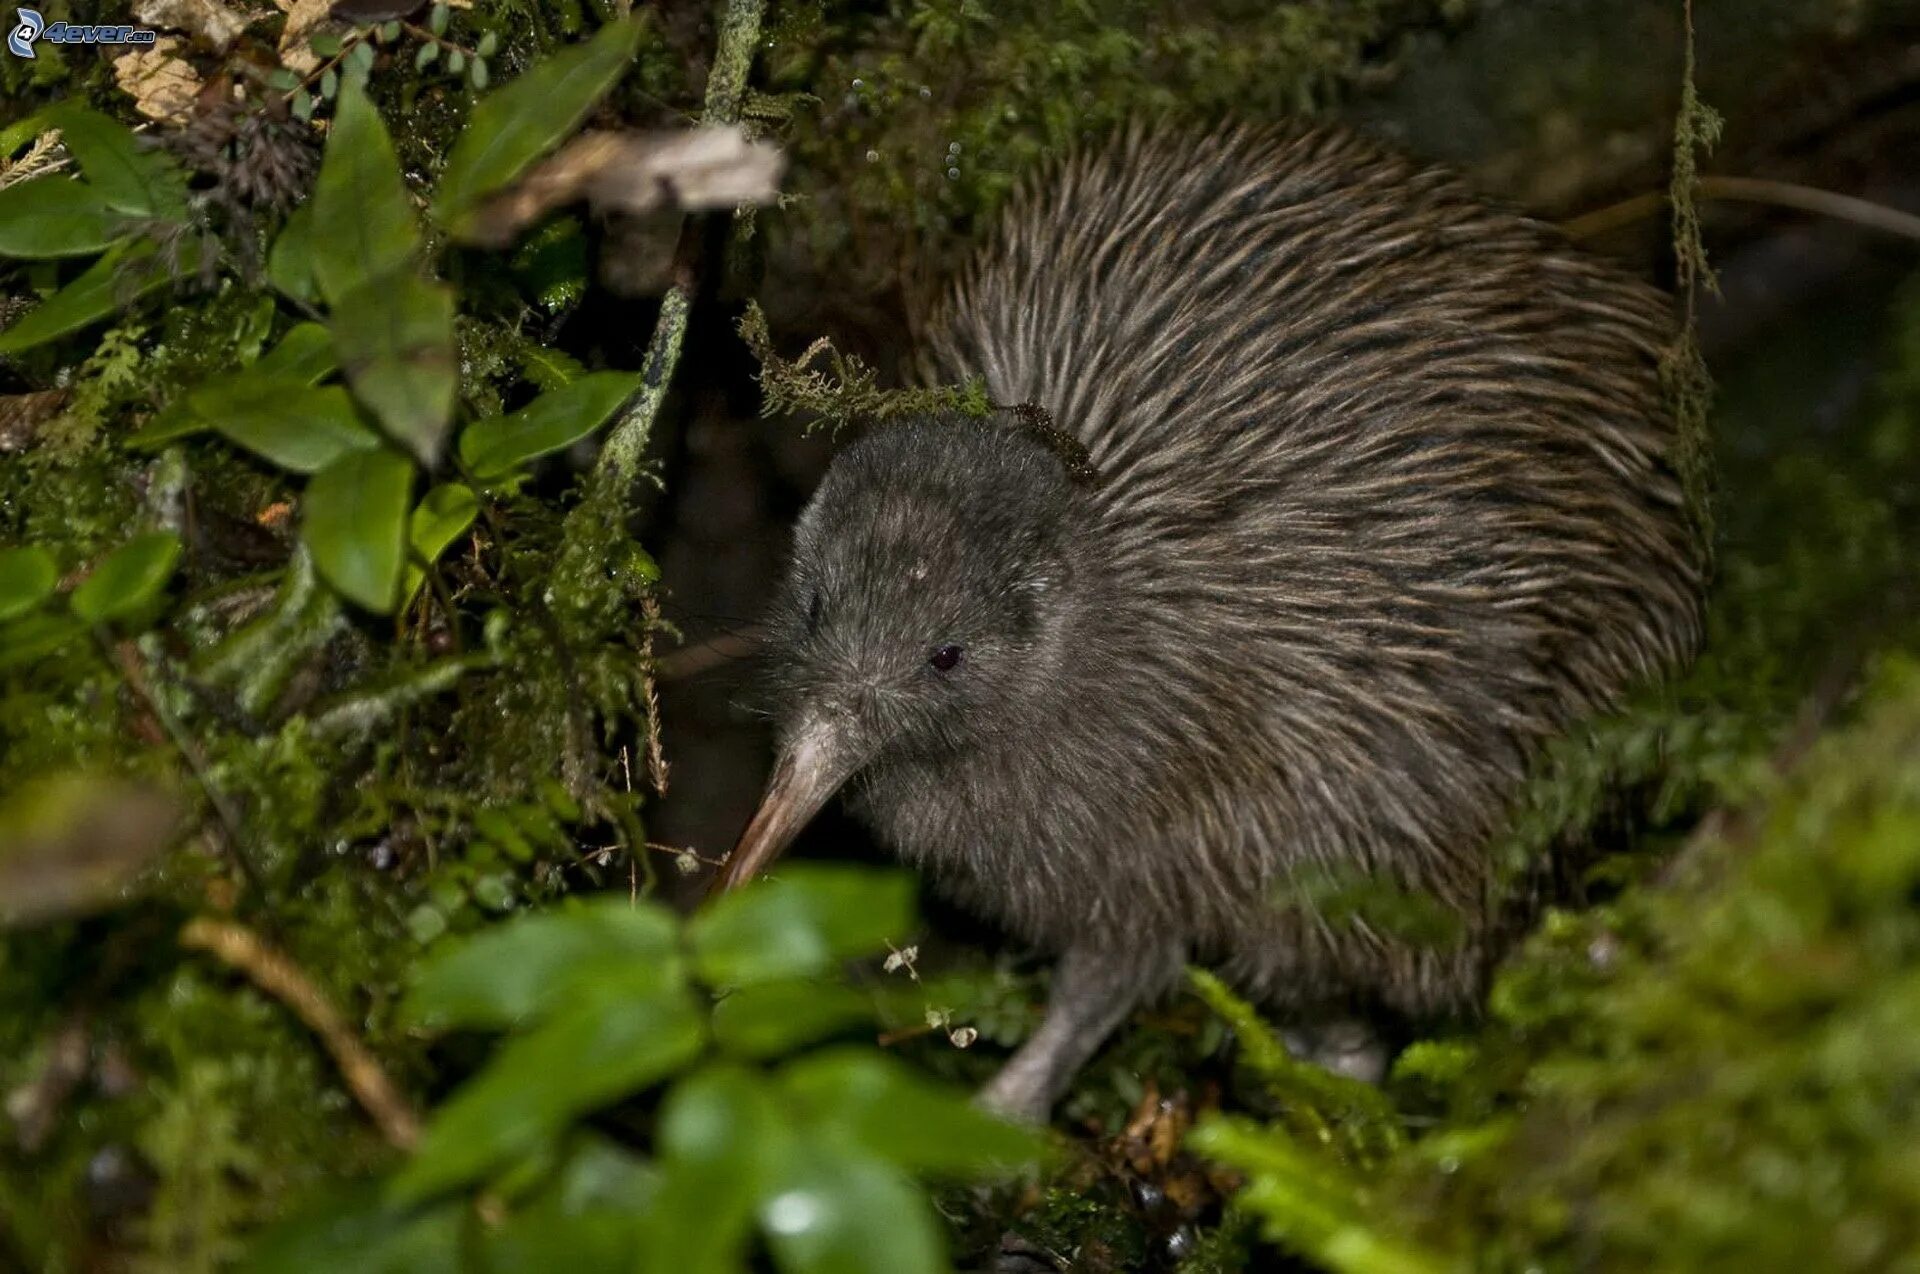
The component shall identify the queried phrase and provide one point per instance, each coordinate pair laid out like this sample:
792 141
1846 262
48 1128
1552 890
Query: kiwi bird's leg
1094 988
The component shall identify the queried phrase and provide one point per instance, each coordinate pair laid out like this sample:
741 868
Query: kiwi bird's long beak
805 775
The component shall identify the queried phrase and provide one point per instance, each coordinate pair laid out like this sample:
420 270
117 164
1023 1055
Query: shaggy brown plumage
1383 502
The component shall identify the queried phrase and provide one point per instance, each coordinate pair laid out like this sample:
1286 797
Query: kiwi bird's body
1381 501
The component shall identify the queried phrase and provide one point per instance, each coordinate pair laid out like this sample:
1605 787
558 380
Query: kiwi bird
1381 499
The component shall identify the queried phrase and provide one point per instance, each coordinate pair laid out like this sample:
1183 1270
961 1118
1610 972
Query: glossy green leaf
830 1210
611 1040
517 124
55 217
797 924
302 357
550 422
298 427
363 225
355 524
897 1114
719 1137
394 339
775 1018
290 259
36 637
360 1231
130 577
521 969
586 1217
27 577
127 174
439 519
97 293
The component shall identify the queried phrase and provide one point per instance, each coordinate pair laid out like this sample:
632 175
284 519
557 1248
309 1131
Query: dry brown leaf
207 20
303 18
637 173
163 83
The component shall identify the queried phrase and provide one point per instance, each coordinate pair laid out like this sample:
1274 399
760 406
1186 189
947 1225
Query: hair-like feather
1384 502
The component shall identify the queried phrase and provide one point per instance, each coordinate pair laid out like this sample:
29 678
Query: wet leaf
130 578
513 126
719 1135
553 421
440 517
355 524
775 1018
797 924
363 225
362 1232
613 1039
891 1111
586 1217
394 338
70 844
302 357
524 967
55 217
27 577
829 1210
298 427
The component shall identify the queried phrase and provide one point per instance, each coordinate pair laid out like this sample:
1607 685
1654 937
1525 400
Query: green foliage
599 1005
847 390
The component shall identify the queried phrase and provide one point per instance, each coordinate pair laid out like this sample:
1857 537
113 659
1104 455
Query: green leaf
776 1018
304 354
360 1231
363 225
93 296
394 338
489 45
55 217
27 577
557 419
719 1135
426 57
456 61
298 427
891 1111
130 578
290 260
522 968
609 1041
325 43
585 1218
799 923
36 637
437 19
355 524
514 126
302 357
829 1210
437 521
127 176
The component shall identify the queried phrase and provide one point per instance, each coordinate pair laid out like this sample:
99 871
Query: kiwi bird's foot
1093 991
1344 1046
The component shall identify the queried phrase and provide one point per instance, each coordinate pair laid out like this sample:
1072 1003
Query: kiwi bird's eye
945 658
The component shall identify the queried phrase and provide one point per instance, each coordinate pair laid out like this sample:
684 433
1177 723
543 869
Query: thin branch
1778 194
241 949
726 86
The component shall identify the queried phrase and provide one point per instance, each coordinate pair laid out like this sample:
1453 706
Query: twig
650 691
726 85
691 661
126 655
1780 194
241 949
